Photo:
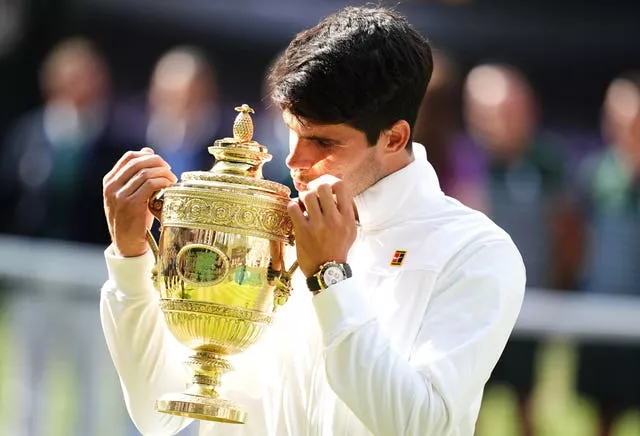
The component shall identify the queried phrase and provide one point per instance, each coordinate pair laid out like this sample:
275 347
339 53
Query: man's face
80 79
621 118
499 110
336 149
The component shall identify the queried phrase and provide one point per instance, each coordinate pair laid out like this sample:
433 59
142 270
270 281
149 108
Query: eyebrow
318 138
314 137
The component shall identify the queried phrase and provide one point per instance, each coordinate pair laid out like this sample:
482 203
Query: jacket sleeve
148 359
472 309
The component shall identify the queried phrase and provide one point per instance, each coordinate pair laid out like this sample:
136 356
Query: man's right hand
127 189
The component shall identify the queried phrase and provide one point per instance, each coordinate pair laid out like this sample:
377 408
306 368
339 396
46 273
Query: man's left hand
324 223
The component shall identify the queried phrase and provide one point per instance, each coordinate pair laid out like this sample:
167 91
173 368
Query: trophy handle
154 245
278 275
154 205
282 281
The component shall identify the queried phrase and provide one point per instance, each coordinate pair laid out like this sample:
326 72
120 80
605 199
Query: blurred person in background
521 187
271 131
51 169
438 120
609 192
54 158
181 116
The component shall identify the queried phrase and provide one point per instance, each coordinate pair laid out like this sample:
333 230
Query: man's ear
397 137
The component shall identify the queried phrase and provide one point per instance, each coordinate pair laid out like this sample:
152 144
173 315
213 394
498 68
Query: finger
132 167
300 203
297 215
143 175
327 200
325 179
123 161
149 187
312 204
344 199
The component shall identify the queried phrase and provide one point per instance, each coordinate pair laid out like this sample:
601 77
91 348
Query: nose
300 153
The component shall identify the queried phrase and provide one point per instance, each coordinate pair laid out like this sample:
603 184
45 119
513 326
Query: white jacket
394 350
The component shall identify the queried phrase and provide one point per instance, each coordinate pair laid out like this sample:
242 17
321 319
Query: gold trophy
221 242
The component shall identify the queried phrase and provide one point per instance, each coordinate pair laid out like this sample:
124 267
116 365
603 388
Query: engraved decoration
257 217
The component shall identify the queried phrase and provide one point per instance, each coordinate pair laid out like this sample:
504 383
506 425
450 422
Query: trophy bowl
219 265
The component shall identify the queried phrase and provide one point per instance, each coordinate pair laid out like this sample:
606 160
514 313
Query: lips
299 182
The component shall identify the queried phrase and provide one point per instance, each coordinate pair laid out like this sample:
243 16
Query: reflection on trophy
217 265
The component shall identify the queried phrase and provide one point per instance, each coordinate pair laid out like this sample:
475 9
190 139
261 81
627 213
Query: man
609 190
56 155
521 186
49 174
438 121
404 345
273 133
181 114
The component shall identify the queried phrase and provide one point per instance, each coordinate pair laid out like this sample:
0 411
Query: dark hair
366 67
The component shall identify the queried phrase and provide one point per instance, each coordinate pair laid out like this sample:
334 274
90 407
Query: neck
398 161
393 164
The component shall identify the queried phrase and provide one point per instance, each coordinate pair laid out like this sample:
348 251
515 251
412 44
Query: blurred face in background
500 110
74 73
438 115
182 85
621 119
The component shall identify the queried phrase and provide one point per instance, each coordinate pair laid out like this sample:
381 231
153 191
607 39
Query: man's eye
324 143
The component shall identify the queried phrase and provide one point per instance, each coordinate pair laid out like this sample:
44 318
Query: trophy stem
201 400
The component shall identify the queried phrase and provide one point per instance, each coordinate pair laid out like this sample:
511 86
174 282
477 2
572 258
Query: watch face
333 274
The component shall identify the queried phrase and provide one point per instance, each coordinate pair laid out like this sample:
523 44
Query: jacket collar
400 195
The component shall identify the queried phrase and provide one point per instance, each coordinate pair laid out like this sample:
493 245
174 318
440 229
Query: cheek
355 167
329 164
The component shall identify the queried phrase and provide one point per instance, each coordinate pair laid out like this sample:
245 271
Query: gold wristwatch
330 273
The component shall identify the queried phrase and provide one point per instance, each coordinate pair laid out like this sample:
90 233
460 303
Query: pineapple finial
243 125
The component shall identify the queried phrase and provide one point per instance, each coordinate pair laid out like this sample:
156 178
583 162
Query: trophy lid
238 160
232 196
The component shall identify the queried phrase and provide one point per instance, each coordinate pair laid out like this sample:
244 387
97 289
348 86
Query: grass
557 410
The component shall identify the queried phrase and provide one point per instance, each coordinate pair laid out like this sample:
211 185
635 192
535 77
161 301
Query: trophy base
205 408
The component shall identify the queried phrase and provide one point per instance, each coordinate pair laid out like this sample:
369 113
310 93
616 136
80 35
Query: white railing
50 328
555 314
